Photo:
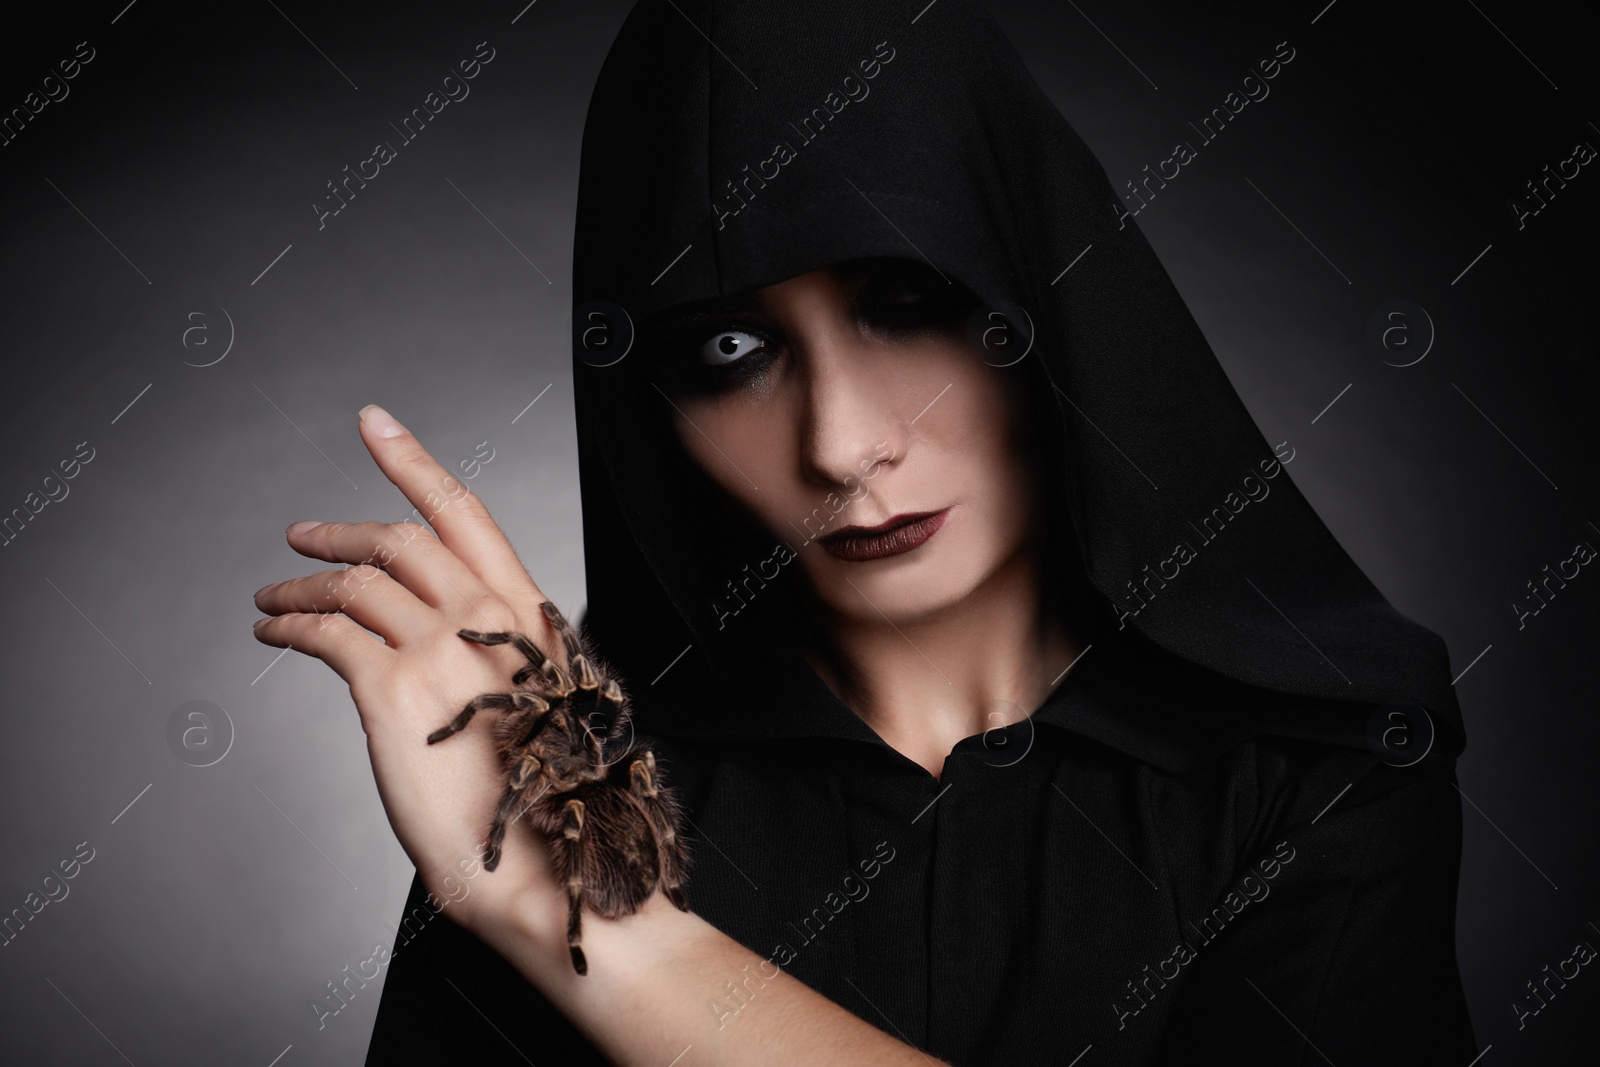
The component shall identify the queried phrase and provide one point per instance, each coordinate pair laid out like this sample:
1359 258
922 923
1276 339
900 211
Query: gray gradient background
219 904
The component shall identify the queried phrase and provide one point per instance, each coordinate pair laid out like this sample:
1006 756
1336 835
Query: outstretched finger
334 639
457 513
363 593
406 550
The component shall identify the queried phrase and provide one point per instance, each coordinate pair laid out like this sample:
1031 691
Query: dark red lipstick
898 534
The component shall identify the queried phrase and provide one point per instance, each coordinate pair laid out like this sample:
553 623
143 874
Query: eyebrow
700 310
854 274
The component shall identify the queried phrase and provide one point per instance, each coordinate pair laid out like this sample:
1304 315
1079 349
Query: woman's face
847 412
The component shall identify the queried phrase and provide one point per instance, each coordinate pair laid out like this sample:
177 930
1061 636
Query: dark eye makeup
728 346
710 353
723 345
902 296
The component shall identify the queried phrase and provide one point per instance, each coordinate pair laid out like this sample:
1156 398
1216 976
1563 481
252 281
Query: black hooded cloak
1213 837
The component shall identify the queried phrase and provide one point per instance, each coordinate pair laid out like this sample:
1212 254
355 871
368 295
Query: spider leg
526 769
478 636
619 723
539 714
569 637
572 830
537 660
595 741
564 630
502 813
486 702
607 723
658 809
540 663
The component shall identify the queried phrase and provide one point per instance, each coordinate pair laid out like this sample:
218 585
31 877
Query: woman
1021 708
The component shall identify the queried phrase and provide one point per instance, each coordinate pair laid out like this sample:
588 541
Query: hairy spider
573 766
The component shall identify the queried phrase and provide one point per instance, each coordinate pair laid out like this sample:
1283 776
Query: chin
911 587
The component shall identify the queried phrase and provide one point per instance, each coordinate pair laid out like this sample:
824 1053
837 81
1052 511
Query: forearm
653 983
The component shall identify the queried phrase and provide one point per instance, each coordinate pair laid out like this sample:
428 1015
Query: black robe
1215 838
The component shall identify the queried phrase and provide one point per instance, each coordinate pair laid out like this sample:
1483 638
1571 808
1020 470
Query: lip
892 537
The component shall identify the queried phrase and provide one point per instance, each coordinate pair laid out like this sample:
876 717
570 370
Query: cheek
740 447
982 437
986 455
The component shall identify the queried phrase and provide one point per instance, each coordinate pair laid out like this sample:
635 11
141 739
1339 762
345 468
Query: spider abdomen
618 876
572 767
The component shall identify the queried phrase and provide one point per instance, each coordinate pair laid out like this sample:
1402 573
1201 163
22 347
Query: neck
987 661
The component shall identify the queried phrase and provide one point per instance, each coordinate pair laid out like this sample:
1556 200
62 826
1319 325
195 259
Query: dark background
187 156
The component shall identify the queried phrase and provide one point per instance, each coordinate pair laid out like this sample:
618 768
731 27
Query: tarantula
614 830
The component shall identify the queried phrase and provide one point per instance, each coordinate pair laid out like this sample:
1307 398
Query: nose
850 423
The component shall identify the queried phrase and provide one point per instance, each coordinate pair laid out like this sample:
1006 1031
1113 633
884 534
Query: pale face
850 397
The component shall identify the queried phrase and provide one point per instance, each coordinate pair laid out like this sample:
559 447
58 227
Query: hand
415 590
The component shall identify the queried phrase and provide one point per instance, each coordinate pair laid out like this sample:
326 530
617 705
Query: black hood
732 145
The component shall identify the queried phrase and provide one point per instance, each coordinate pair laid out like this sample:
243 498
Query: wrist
527 926
530 931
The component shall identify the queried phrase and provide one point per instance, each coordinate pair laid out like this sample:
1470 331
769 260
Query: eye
908 287
729 346
910 298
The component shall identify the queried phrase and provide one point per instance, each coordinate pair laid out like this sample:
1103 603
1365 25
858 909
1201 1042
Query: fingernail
382 423
257 624
302 526
264 588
